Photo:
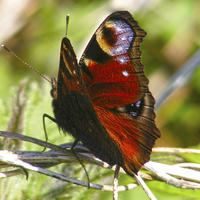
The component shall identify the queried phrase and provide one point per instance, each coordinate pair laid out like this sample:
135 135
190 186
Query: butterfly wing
104 101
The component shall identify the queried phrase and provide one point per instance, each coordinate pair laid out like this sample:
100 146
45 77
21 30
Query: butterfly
104 100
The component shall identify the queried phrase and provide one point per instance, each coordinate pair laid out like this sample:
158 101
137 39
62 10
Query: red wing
118 88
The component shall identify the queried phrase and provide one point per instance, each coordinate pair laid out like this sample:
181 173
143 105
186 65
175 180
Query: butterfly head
54 93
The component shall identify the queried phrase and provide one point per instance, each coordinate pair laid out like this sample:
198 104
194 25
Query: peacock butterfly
104 101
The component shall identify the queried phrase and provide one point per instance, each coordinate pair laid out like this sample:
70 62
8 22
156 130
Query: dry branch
175 175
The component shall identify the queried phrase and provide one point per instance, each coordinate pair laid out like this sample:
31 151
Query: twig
145 188
115 183
13 160
174 150
159 171
44 144
162 172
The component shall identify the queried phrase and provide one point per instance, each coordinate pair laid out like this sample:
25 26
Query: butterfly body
104 101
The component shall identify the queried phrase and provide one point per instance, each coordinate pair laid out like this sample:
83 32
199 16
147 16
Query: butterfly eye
54 88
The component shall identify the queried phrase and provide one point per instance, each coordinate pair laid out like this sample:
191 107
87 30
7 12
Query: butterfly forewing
119 82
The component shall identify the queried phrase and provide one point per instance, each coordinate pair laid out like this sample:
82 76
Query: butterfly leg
72 149
44 126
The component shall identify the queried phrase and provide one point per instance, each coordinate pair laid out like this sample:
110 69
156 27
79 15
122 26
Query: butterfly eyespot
134 109
115 38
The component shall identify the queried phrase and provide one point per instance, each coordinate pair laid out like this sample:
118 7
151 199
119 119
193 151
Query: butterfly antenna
6 48
67 22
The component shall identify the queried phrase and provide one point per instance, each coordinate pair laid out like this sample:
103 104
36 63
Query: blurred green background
34 29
